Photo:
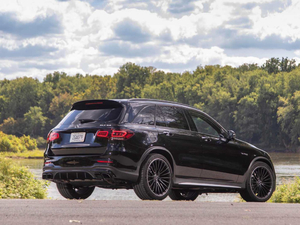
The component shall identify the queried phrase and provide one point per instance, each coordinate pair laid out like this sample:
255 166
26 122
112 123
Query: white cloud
85 36
28 10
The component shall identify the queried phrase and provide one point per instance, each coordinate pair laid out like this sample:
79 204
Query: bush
287 192
29 143
11 143
5 144
19 182
41 142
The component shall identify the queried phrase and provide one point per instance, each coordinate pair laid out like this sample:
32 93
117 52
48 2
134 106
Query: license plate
77 137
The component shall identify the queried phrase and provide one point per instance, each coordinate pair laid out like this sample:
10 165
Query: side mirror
231 135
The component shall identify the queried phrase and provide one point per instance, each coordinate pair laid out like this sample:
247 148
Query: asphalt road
59 212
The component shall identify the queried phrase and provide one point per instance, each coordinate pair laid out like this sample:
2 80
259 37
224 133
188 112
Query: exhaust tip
47 176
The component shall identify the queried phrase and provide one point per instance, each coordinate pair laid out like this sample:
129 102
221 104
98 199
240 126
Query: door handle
167 133
208 139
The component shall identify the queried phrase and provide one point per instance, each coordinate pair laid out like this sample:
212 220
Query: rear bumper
86 170
88 174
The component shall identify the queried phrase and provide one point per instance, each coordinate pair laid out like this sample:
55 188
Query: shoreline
24 157
41 157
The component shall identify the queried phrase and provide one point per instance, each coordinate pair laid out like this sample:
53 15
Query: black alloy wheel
159 177
155 179
260 184
179 195
70 192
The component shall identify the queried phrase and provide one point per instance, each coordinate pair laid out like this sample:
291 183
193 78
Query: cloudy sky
98 36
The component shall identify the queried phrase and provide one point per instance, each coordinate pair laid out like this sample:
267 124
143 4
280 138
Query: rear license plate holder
77 137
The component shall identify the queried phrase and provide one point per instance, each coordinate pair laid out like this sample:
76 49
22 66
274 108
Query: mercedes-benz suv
158 148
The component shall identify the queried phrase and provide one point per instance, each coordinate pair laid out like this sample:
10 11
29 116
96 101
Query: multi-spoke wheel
159 176
260 183
70 192
179 195
155 178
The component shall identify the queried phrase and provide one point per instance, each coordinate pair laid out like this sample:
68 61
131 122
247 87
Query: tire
260 183
155 181
179 195
70 192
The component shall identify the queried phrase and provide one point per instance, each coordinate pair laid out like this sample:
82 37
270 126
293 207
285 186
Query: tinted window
160 119
133 110
174 117
146 116
203 126
85 116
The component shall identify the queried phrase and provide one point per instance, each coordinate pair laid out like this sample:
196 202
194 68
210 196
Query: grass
28 154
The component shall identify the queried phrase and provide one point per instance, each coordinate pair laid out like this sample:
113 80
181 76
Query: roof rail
157 100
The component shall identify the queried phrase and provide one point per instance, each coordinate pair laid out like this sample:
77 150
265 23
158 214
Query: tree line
261 103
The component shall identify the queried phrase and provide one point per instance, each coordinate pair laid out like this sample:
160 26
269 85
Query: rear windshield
88 116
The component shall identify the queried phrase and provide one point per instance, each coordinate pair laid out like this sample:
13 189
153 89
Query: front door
220 161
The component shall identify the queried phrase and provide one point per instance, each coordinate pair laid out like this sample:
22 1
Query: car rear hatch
85 128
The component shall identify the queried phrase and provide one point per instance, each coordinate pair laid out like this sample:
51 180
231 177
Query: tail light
115 134
121 134
94 103
52 136
102 133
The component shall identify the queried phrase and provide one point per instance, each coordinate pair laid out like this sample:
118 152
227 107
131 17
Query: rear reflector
104 161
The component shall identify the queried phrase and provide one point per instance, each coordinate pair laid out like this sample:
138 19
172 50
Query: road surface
73 212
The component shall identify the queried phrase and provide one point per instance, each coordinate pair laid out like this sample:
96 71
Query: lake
287 166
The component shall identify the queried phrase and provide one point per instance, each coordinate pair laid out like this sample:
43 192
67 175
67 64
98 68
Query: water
287 166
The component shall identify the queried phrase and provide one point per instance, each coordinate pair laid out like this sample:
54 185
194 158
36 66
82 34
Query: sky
38 37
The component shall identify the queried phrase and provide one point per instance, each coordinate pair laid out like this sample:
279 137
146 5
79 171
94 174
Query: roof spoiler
96 104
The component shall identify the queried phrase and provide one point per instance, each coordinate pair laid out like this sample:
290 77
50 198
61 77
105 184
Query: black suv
158 148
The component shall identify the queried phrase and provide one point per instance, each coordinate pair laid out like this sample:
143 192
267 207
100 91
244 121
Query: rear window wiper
86 120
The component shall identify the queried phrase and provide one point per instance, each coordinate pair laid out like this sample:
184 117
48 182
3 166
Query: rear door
174 131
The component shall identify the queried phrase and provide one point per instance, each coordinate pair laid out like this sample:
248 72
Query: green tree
60 106
289 120
247 119
10 126
275 65
130 80
34 121
163 91
22 93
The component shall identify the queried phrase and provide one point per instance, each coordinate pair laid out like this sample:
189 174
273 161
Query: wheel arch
258 159
159 150
262 159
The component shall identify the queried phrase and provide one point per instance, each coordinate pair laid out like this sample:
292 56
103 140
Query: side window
146 116
174 117
133 110
203 126
160 119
